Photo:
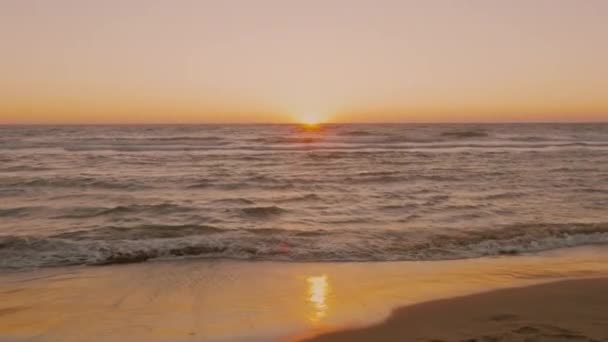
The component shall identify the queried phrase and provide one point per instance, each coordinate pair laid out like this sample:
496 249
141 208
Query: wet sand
573 310
202 300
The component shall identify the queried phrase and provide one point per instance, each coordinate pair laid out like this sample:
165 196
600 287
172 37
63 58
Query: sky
181 61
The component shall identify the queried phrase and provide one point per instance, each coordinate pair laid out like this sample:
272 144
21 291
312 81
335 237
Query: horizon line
300 123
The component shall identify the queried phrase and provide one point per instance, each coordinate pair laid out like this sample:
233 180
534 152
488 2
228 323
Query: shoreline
193 300
560 310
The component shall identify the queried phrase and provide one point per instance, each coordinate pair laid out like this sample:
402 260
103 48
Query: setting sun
310 118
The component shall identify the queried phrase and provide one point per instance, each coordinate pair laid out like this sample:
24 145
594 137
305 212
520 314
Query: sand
223 300
574 310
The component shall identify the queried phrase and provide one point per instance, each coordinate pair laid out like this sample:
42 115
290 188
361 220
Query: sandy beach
572 310
199 300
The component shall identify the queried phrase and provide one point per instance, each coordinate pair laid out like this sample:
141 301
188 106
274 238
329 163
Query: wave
531 139
136 244
155 209
141 232
140 148
92 212
287 140
201 184
17 212
396 177
315 144
446 140
10 192
357 133
22 168
506 195
234 201
302 198
245 184
391 139
593 191
75 182
120 140
263 212
184 138
465 134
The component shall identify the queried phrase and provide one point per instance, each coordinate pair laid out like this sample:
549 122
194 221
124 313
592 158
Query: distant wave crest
465 134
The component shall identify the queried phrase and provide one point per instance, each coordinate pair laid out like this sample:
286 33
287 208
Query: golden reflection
318 289
311 128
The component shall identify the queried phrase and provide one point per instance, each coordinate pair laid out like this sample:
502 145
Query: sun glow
310 119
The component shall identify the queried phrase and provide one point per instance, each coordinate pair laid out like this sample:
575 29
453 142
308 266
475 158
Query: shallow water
113 194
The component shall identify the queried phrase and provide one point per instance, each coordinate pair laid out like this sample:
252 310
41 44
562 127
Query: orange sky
131 61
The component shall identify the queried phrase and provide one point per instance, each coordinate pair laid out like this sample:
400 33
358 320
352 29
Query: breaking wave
140 243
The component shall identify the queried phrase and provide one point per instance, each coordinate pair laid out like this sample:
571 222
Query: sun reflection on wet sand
318 289
200 300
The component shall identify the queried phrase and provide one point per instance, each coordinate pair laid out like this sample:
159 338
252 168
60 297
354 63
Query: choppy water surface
110 194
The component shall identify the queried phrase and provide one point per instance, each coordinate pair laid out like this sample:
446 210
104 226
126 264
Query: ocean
96 195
